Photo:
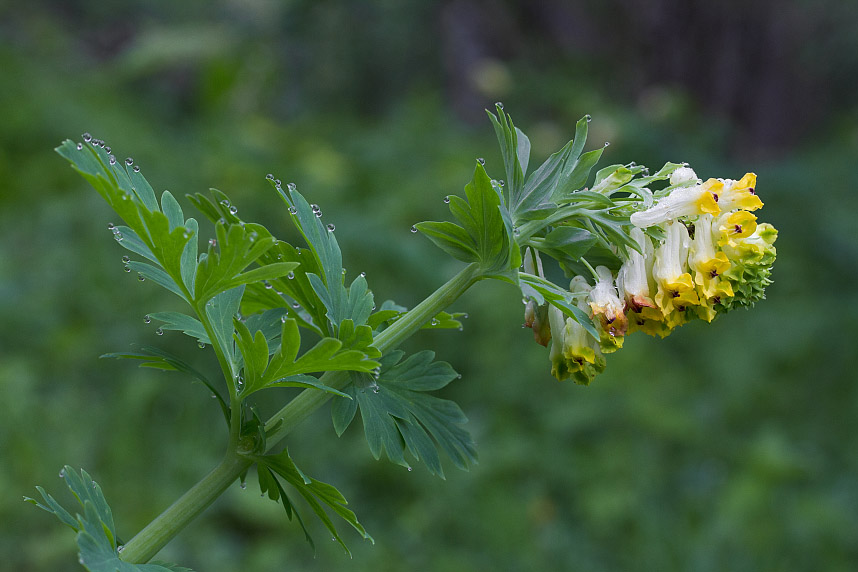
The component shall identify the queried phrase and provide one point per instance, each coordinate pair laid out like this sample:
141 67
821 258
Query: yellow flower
573 353
736 225
670 270
708 263
740 194
681 202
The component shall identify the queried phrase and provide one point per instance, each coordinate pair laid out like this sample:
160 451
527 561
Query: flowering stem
169 523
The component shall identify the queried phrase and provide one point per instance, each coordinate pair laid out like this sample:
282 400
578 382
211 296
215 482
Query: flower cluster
711 256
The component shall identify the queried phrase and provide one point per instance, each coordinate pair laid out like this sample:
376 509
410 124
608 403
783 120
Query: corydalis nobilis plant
634 256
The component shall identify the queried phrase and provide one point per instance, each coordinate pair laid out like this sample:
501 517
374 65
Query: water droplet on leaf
136 168
233 209
499 104
112 160
87 137
147 319
292 186
588 118
201 345
331 227
269 176
291 275
481 161
447 200
159 332
80 146
413 228
129 161
141 278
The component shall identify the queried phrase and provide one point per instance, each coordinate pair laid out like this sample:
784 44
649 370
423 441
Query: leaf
327 355
96 532
160 359
515 150
234 249
182 322
398 414
220 310
481 235
315 493
566 242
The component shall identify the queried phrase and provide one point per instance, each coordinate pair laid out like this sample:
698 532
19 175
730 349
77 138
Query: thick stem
160 531
166 525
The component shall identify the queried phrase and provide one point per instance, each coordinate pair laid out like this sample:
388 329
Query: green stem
160 531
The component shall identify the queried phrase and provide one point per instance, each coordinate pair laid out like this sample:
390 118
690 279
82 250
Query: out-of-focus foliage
725 447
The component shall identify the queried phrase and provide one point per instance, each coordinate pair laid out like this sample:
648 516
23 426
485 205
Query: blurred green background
724 447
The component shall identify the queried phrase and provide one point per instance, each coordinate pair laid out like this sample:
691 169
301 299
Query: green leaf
183 323
515 150
481 235
566 242
220 310
327 355
234 249
96 533
398 414
315 493
160 359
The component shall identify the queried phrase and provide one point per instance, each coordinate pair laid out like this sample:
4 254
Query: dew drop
141 278
127 268
314 207
126 259
112 159
331 227
269 176
159 332
409 469
363 274
233 209
80 146
459 376
283 319
110 226
120 548
465 316
62 473
292 186
224 203
291 275
268 285
607 144
212 242
136 168
117 236
501 183
447 200
129 161
481 161
588 118
87 137
147 318
106 148
499 104
296 305
413 228
201 345
243 485
434 322
277 182
293 210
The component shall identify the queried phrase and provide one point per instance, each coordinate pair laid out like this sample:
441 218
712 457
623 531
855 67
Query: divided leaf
96 538
398 414
484 234
314 492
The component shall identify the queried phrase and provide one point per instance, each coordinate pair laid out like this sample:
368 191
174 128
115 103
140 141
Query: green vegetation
721 447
